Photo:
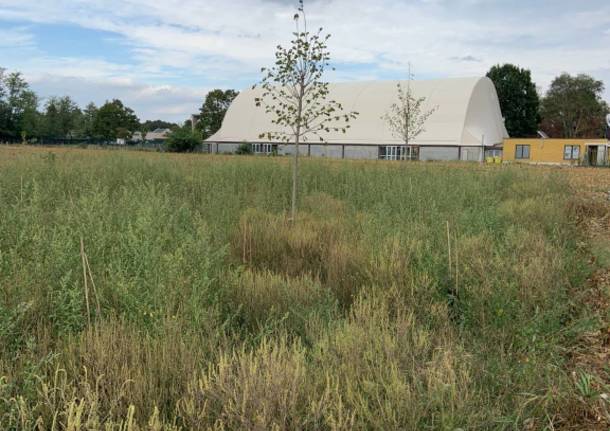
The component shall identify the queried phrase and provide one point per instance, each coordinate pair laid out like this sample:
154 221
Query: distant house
158 135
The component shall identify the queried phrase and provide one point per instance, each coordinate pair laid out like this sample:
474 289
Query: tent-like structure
466 121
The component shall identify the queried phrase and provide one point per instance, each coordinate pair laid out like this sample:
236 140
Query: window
412 153
522 152
571 152
398 152
493 153
266 149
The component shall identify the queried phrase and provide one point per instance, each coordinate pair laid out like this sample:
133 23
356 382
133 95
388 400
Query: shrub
244 149
183 140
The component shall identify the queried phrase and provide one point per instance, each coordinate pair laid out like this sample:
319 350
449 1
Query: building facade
590 152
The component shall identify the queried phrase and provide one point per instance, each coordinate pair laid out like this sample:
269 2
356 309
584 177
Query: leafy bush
244 149
183 140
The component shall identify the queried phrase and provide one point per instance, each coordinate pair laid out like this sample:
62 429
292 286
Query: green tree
4 108
30 119
150 125
519 99
183 140
86 124
18 106
294 94
573 107
213 111
62 117
114 120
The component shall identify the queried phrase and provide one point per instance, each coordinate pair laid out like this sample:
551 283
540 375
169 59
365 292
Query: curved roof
467 110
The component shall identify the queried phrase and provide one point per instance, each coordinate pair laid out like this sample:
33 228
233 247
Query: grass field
153 291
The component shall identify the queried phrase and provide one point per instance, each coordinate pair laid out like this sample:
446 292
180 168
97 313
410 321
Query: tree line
26 117
573 106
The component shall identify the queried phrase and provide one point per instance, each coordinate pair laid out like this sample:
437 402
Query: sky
161 57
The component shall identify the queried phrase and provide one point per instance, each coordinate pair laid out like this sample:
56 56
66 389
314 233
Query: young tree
518 98
213 111
294 94
407 118
573 107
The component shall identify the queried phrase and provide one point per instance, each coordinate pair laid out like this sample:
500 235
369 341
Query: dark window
571 152
522 152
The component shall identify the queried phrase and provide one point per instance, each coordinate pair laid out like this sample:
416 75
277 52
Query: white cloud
15 37
226 43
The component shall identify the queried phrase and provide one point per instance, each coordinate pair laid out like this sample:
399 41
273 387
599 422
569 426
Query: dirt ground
590 358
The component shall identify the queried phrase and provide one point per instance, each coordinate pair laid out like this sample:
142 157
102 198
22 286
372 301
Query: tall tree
213 111
407 118
4 108
573 107
115 120
519 99
150 125
61 117
294 94
18 105
30 120
86 124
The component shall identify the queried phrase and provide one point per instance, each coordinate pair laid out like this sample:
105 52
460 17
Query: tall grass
404 297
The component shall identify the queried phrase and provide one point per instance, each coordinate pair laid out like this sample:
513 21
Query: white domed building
466 122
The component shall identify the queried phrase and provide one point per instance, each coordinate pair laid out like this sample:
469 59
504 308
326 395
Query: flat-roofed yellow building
592 152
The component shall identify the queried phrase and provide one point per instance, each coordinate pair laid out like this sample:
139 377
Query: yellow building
592 152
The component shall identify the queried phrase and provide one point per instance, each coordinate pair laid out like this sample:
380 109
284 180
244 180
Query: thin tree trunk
295 167
295 176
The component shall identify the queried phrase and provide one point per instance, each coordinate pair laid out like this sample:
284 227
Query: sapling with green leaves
295 95
407 118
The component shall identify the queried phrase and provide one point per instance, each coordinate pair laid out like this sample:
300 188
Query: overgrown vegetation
434 297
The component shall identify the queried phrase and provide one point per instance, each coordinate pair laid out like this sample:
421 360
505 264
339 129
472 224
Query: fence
87 143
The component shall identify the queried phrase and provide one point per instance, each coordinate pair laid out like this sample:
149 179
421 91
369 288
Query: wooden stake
457 266
82 255
98 309
449 248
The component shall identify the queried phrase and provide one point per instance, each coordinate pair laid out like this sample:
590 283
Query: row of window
398 152
266 149
570 152
390 152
